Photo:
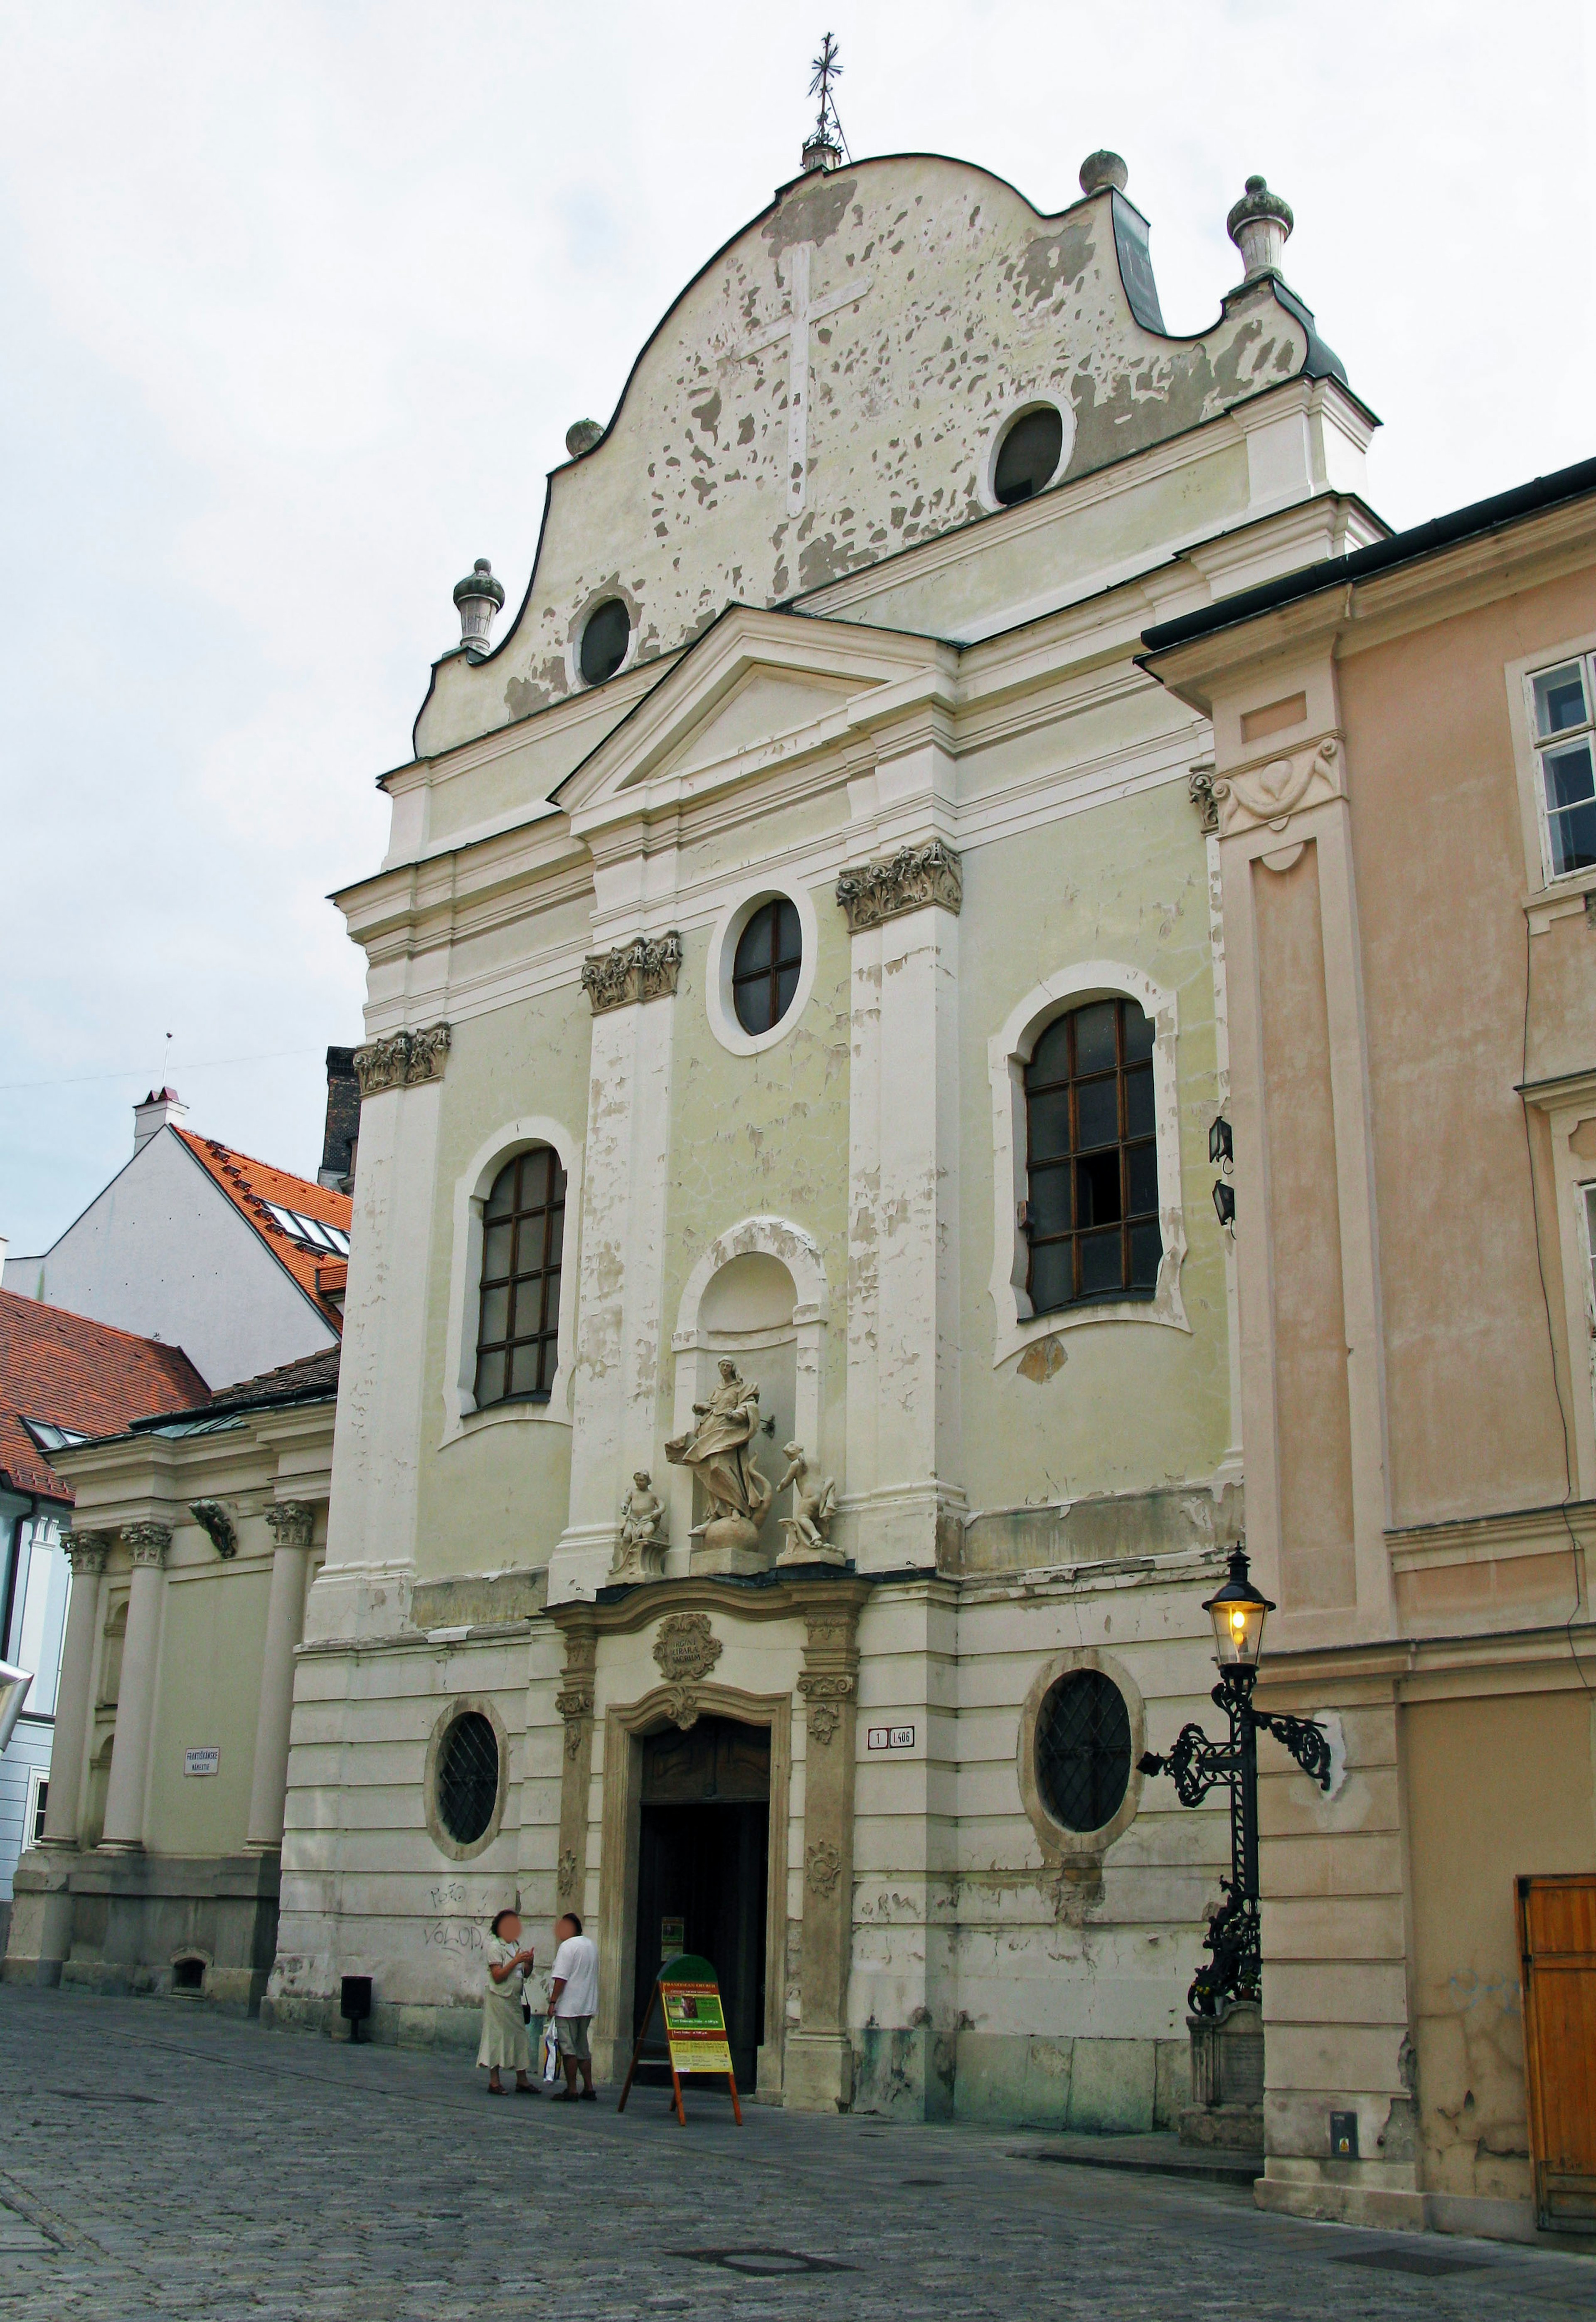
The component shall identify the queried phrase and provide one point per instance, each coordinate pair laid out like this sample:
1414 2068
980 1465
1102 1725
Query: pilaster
147 1544
620 1328
363 1588
818 2071
292 1524
905 1497
574 1701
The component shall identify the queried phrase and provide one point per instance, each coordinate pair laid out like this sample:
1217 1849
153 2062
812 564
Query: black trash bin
354 2003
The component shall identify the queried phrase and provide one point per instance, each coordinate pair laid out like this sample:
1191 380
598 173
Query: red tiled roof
251 1185
78 1375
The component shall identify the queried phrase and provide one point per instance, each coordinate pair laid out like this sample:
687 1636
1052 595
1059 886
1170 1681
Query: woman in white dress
504 2031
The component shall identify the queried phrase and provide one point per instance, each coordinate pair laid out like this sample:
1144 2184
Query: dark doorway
703 1852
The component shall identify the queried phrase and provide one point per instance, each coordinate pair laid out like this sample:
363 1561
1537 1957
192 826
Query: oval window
765 970
605 634
1028 456
468 1777
1083 1749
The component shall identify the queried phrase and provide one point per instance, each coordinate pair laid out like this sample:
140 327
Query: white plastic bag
550 2051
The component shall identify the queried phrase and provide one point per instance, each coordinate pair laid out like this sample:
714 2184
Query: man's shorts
571 2035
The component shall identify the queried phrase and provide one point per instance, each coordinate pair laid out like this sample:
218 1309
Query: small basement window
1028 455
189 1975
606 636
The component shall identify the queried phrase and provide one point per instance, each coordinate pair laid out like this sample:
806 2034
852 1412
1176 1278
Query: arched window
1091 1209
765 970
518 1324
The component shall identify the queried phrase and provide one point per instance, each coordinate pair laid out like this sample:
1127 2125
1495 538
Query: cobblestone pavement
155 2160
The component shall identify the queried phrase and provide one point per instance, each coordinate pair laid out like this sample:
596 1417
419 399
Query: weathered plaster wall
991 1979
951 301
212 1633
1472 1411
494 1497
764 1135
1531 1811
1132 1405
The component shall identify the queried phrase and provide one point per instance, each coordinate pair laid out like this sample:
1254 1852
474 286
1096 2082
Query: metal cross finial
826 68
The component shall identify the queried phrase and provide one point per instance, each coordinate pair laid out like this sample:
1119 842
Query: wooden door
1557 1946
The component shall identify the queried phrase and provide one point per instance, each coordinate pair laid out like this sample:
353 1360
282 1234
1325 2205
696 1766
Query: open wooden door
1557 1948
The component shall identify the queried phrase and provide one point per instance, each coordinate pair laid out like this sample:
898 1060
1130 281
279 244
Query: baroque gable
829 390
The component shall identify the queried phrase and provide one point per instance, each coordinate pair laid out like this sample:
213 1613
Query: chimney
478 599
1260 225
158 1110
343 1123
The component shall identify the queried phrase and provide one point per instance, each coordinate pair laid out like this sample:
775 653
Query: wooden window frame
546 1219
769 970
1068 1160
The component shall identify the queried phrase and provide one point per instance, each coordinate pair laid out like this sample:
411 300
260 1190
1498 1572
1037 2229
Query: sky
300 298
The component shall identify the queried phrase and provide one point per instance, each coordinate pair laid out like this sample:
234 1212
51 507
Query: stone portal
703 1874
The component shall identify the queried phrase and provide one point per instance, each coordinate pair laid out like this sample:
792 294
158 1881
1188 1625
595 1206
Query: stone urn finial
478 599
1260 225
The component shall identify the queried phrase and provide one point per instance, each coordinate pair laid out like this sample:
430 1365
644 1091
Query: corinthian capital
292 1522
905 882
646 969
402 1060
147 1543
86 1550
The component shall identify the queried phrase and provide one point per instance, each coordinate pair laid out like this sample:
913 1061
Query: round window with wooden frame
518 1318
468 1777
1091 1208
1083 1750
765 968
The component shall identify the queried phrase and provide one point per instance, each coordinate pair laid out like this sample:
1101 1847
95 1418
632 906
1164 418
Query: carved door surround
694 1621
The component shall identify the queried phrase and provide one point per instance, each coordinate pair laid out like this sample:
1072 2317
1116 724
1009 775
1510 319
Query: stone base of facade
1228 2128
1097 2088
121 1924
388 2025
1364 2193
817 2074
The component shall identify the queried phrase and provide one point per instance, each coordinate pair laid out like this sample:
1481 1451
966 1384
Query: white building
767 920
239 1264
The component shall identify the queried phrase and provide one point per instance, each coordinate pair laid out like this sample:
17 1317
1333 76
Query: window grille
518 1320
1083 1750
1562 701
468 1777
765 970
1091 1215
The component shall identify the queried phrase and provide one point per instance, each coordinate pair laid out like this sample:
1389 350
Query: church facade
790 1394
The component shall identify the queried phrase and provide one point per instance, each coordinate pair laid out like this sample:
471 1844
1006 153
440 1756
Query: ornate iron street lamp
1234 1972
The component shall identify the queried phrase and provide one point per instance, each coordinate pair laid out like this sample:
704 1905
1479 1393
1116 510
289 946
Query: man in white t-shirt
573 1998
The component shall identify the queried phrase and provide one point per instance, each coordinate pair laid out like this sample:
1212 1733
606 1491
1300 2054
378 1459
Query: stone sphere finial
1260 225
581 436
478 599
1103 168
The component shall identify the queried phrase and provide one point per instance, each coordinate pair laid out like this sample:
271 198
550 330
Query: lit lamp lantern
1237 1612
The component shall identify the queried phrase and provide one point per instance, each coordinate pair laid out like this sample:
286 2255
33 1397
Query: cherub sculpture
640 1552
812 1511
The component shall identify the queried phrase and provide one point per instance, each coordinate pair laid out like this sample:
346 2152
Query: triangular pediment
758 688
